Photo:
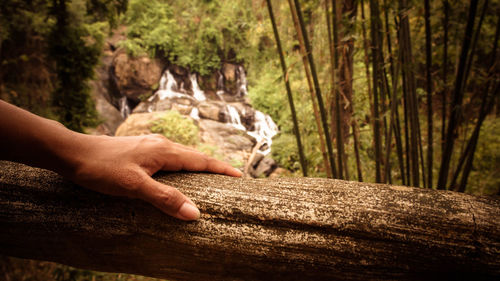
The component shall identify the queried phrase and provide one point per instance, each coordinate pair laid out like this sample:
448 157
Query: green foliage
193 34
75 60
484 177
176 127
210 150
41 37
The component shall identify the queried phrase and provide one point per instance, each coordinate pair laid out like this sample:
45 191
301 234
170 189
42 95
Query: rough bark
280 229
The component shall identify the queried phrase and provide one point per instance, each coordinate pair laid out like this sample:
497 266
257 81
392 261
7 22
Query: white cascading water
220 87
168 87
235 117
265 128
124 108
195 113
242 81
197 92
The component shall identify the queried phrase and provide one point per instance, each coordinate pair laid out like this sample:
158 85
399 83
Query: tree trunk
305 62
317 89
410 95
337 113
376 79
280 229
446 8
456 105
288 91
428 87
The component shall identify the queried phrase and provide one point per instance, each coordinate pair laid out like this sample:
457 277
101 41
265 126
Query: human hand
123 166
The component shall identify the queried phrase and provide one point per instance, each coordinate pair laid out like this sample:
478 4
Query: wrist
65 150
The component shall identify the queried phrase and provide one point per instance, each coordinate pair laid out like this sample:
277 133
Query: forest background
408 89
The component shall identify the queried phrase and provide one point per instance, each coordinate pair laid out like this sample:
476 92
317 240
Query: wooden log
272 229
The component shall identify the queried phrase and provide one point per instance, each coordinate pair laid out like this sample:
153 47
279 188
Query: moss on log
279 229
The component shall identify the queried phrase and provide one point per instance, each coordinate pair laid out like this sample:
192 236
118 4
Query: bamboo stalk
288 90
311 89
428 86
446 8
338 111
317 89
375 30
456 109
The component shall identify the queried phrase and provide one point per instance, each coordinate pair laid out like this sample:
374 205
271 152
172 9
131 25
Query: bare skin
120 166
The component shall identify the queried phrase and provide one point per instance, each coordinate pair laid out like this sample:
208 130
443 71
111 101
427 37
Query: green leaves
198 35
176 127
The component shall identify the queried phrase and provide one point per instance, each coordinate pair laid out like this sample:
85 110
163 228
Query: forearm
37 141
112 165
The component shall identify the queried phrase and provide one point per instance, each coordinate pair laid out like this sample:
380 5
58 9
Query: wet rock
229 72
224 135
137 124
247 114
208 82
178 70
181 108
135 77
109 114
264 167
213 110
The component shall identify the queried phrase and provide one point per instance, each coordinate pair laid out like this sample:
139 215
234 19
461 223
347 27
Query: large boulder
135 77
213 110
230 74
137 124
263 167
110 116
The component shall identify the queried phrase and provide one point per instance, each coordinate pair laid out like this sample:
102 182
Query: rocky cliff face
141 88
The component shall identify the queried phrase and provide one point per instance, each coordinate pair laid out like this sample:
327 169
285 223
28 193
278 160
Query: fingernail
238 172
188 212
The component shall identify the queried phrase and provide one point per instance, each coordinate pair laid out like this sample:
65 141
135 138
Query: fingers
168 199
192 160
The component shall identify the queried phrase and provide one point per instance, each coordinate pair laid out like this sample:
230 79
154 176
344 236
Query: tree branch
279 229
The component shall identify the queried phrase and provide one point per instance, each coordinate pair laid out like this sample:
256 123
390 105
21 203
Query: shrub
176 127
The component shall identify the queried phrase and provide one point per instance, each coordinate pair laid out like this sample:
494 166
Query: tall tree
376 79
410 95
346 19
486 106
288 90
305 62
428 88
337 111
456 105
317 89
444 94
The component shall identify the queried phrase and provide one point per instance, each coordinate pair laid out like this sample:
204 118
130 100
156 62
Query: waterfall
242 82
124 108
195 113
220 86
235 117
168 87
265 129
197 92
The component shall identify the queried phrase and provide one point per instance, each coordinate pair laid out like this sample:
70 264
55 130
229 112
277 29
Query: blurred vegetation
191 33
15 269
48 52
176 127
53 63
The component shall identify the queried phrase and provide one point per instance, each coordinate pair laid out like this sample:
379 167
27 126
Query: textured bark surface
279 229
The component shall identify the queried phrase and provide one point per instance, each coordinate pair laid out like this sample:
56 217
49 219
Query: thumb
169 200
